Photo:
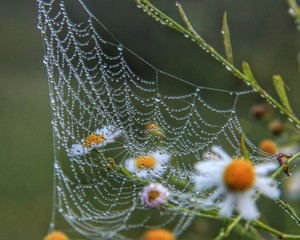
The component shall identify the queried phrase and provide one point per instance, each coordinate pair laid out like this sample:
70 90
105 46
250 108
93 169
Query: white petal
162 158
130 164
210 167
110 133
266 187
141 173
77 150
204 182
219 191
106 130
113 136
246 206
158 169
227 206
220 151
263 169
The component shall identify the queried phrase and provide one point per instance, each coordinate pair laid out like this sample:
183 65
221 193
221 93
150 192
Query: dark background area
262 33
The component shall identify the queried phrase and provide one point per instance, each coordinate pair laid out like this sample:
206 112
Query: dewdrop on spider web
149 164
236 179
99 138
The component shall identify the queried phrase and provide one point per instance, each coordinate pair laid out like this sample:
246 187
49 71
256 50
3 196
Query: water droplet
292 12
228 68
158 98
120 47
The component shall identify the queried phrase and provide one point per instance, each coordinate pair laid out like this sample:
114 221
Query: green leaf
280 89
248 73
227 42
243 149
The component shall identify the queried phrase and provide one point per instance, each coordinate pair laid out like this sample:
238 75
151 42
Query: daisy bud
276 127
269 146
258 111
110 164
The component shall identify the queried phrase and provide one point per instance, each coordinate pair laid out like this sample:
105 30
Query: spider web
91 85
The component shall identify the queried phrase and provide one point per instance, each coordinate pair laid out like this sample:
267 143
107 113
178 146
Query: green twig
294 10
269 229
290 210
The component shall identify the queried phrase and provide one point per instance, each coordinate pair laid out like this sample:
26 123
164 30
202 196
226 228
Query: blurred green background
262 33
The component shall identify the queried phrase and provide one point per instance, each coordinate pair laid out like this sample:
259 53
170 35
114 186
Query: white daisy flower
151 164
155 195
100 137
237 180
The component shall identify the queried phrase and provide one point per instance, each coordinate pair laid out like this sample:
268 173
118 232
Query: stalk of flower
237 180
151 164
101 137
158 234
155 195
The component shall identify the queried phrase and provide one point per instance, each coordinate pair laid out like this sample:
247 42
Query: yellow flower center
93 139
145 162
56 236
158 234
152 195
239 175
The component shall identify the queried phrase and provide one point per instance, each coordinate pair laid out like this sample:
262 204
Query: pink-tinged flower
155 195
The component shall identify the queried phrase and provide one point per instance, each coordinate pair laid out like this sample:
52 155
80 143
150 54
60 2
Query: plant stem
269 229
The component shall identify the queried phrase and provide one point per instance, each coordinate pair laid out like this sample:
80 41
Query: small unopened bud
269 146
110 164
276 127
258 111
